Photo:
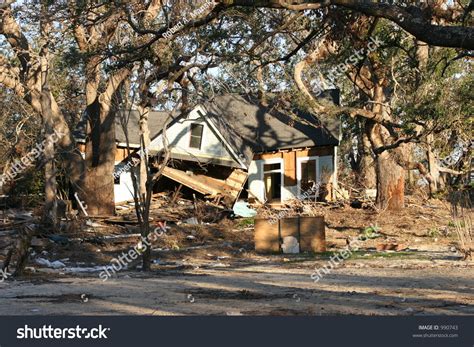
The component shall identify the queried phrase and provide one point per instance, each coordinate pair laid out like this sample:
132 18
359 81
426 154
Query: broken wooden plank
229 189
195 182
235 182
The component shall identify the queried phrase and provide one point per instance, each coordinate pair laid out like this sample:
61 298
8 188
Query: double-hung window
195 140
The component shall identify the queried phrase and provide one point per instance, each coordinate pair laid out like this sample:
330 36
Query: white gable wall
179 134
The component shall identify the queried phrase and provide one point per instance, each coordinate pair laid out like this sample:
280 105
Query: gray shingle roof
156 122
251 128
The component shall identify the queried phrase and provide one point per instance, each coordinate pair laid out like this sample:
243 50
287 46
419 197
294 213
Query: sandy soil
269 287
212 269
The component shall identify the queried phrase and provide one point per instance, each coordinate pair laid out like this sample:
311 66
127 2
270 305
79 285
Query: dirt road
266 286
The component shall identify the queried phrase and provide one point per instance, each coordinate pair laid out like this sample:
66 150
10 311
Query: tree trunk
100 160
145 183
46 106
50 184
366 176
100 142
390 174
432 166
145 132
390 183
411 173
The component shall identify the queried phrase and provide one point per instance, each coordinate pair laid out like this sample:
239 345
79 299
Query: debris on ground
201 235
242 209
192 221
52 264
290 245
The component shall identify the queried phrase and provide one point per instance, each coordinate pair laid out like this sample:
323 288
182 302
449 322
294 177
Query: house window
196 135
307 173
272 173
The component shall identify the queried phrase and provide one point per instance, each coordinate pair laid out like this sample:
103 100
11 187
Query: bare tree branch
412 19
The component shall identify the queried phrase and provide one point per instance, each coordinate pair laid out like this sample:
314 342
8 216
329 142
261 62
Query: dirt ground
271 287
212 269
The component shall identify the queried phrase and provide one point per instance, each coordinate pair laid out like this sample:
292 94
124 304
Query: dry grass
461 210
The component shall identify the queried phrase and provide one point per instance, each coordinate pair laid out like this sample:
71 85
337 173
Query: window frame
281 171
299 162
193 126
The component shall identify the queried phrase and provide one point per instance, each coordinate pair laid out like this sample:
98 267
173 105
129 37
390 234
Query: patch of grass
433 232
389 255
461 224
246 222
364 254
439 195
318 256
370 233
355 255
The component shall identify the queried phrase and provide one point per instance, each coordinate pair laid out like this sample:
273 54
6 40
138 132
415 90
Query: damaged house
233 146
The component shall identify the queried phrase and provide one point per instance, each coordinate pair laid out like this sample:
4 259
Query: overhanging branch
411 19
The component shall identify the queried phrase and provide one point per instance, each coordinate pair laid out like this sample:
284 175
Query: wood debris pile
17 228
173 209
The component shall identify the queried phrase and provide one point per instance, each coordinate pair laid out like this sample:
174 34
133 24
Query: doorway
308 176
273 179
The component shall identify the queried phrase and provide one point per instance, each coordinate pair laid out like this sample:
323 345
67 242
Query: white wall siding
124 190
179 138
255 179
289 192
